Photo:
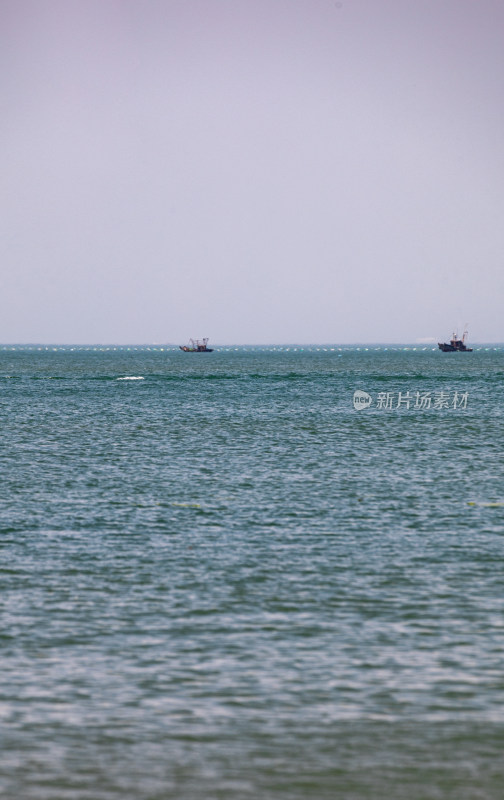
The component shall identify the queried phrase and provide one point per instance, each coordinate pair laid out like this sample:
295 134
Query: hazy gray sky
254 171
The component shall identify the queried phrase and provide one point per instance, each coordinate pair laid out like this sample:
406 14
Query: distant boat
456 345
196 346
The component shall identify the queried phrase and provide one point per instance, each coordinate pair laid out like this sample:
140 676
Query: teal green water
220 580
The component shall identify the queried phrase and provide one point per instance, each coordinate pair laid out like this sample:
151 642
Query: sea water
222 578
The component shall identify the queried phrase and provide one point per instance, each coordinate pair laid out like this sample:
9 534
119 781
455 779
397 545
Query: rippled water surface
221 580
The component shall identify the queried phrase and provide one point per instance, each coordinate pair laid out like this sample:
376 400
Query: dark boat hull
186 349
450 348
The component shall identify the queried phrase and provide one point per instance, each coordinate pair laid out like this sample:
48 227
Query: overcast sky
255 171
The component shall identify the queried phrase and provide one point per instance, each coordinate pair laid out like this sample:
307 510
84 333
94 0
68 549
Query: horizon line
241 344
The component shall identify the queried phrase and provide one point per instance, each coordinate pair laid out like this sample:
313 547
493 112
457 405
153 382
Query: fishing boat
456 345
196 346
